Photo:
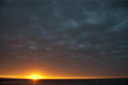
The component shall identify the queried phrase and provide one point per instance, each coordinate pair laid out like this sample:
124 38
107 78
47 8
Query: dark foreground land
65 82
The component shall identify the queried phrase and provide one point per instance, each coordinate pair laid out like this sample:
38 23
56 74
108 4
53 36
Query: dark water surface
64 82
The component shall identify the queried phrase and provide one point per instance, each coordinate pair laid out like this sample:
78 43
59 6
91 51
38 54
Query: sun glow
35 76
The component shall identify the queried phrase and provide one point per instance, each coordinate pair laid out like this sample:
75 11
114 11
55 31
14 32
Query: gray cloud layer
89 34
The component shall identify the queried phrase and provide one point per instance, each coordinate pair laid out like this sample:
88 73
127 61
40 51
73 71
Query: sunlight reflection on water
65 82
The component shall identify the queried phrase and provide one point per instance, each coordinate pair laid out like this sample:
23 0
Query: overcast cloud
85 35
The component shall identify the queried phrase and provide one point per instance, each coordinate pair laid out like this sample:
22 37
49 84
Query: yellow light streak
35 76
38 76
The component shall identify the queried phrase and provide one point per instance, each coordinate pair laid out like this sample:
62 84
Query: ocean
64 82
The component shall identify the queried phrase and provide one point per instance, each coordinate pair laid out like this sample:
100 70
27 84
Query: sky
64 38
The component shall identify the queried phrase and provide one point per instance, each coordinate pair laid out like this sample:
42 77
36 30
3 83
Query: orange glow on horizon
37 76
33 76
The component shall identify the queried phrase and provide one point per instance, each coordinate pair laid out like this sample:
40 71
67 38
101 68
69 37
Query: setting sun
35 76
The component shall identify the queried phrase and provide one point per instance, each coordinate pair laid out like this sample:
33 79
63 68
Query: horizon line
65 78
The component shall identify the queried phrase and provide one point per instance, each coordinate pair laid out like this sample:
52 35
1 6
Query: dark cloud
82 35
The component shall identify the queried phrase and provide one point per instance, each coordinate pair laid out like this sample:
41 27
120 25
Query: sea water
64 82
